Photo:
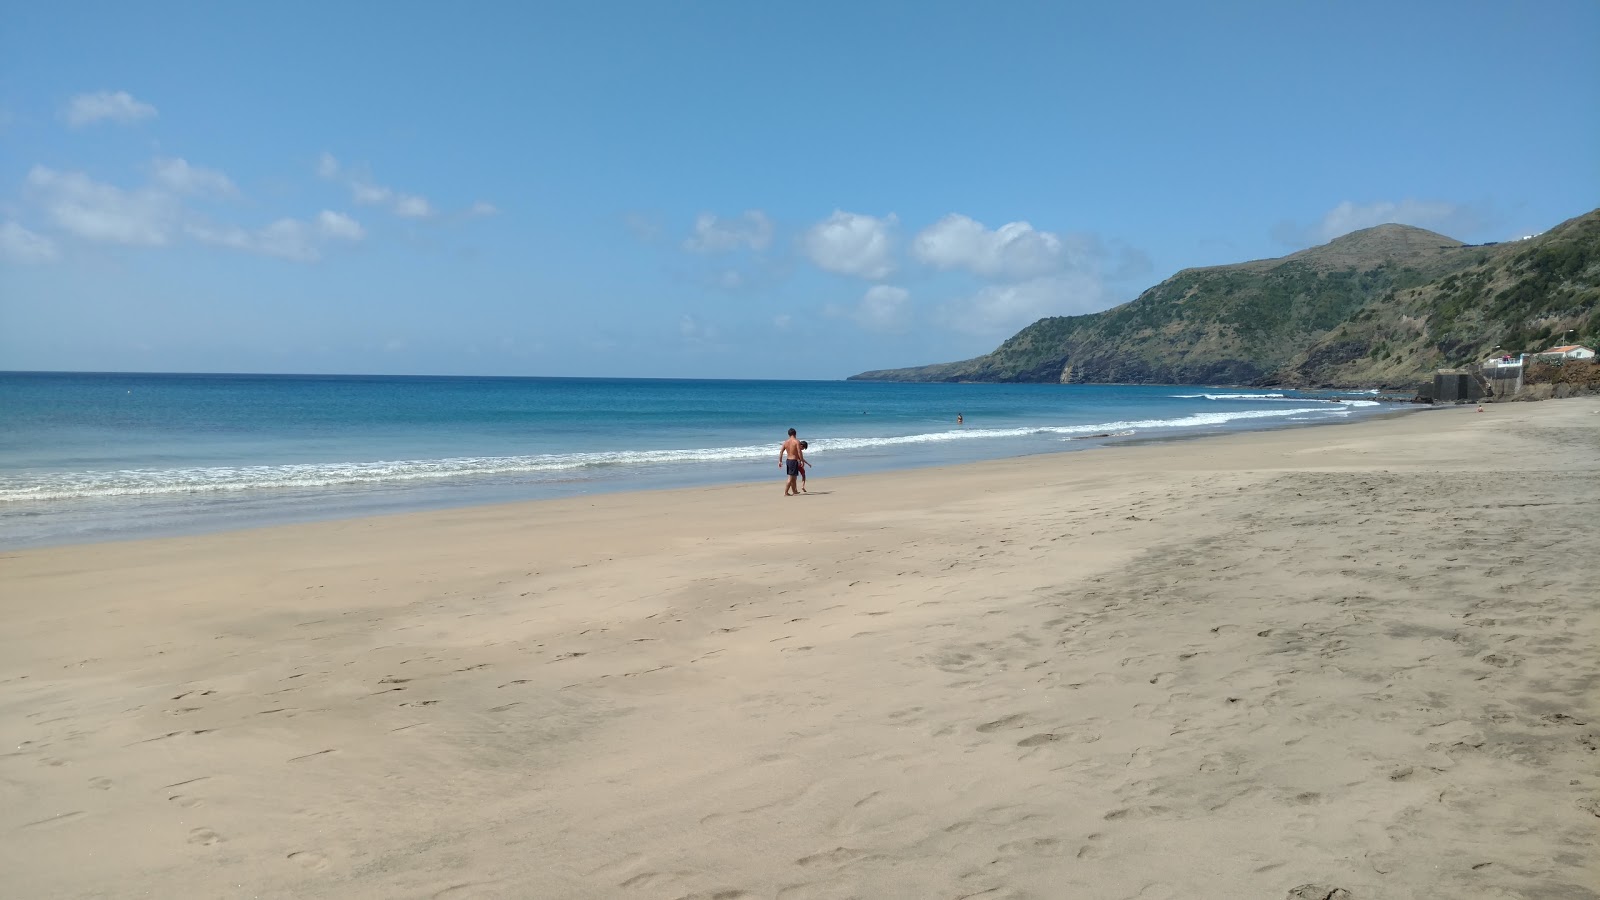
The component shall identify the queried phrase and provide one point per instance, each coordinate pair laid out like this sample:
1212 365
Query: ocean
90 456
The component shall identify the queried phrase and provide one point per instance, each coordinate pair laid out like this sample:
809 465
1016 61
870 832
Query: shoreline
355 504
1356 656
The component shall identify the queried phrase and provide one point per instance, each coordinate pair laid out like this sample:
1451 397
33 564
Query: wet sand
1357 656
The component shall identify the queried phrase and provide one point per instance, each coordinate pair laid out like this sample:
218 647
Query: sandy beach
1359 657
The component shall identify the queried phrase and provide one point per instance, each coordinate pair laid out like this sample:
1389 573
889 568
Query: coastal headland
1355 657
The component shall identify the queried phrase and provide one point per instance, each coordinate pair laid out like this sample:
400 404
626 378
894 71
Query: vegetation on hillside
1524 297
1380 306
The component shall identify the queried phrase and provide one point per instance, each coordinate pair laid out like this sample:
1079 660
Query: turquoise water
96 456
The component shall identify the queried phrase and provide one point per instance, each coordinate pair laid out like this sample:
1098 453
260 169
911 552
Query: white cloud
338 225
409 206
853 244
883 308
292 239
483 208
18 244
178 175
367 193
695 331
101 212
1014 250
1436 215
155 215
119 106
647 228
713 234
1003 308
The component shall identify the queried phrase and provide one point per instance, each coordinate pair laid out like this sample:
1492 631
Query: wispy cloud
19 245
411 206
179 176
96 211
1003 308
292 239
1453 219
155 215
645 227
882 308
695 331
365 192
106 106
714 234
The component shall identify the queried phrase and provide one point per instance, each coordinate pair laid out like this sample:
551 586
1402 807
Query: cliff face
1570 378
1330 315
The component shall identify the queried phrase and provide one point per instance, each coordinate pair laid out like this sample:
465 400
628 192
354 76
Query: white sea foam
1274 398
225 479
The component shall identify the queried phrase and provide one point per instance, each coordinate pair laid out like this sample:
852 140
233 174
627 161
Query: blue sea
87 457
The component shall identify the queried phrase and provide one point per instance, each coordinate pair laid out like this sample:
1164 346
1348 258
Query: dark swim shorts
794 467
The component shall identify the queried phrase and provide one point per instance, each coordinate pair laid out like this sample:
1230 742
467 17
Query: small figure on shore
790 458
804 465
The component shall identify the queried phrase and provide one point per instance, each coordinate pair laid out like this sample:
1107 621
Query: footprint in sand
204 837
838 856
646 880
1037 846
1133 813
468 890
100 783
1015 720
310 859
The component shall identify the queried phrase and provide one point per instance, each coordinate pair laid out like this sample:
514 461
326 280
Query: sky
728 190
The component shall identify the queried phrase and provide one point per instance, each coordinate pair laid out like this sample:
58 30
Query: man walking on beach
790 458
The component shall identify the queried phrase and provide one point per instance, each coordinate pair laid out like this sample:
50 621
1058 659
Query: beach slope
1356 656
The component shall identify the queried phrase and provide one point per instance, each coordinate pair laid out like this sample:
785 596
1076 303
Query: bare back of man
790 458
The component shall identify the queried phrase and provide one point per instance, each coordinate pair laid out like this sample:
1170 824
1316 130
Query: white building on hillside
1568 351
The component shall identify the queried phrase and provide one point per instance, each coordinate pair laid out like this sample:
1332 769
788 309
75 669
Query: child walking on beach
804 465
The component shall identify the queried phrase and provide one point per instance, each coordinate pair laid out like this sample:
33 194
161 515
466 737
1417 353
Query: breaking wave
224 479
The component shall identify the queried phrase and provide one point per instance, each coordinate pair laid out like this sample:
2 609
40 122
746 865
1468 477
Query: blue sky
728 189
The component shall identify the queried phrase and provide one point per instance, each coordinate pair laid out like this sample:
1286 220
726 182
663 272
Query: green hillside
1378 306
1526 296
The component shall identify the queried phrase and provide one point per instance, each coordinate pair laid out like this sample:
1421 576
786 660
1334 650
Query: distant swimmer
791 458
959 419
